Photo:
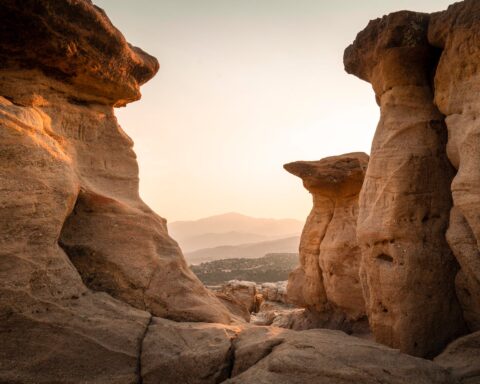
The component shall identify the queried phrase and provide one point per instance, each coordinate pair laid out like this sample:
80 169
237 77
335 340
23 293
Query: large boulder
273 355
462 359
327 280
407 268
456 33
189 353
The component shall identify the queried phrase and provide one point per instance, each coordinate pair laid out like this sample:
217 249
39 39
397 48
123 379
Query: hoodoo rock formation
71 217
70 175
327 282
456 32
407 268
93 289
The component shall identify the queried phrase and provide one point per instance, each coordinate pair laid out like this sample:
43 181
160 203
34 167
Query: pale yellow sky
244 87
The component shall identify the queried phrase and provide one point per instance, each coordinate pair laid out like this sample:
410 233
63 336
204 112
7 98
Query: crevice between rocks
138 368
231 358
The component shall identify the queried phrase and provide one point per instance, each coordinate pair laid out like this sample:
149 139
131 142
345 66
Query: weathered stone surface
407 268
236 307
243 291
69 178
327 279
462 359
273 355
86 338
276 292
190 353
457 83
74 42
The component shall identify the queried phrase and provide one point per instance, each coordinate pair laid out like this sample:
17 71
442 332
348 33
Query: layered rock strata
327 280
407 267
74 233
456 32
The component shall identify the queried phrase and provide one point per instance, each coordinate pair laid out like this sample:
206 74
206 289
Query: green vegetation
269 268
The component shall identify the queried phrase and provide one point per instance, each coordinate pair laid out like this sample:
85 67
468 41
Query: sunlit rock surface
74 234
327 281
456 32
407 268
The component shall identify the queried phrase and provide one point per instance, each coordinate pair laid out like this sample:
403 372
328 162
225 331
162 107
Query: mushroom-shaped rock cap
461 18
333 176
73 41
389 51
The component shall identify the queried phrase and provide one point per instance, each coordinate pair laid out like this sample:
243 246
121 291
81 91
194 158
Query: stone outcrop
74 233
78 187
187 352
273 355
456 32
462 359
276 292
243 291
407 268
327 279
93 289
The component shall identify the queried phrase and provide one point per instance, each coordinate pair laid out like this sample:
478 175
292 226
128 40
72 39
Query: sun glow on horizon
243 88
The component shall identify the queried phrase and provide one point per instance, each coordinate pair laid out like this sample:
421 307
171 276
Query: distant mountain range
247 251
234 229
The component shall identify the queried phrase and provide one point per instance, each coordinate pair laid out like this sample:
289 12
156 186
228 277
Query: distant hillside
270 268
247 251
231 229
211 240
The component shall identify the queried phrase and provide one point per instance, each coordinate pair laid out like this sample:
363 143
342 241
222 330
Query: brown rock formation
187 353
278 356
327 279
75 43
407 267
462 359
70 204
243 291
456 32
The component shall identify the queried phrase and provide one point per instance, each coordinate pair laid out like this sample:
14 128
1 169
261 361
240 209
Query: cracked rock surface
274 355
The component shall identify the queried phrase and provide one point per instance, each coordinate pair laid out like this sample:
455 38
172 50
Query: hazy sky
245 86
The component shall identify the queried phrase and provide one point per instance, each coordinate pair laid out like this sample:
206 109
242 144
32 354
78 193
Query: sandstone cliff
456 33
327 282
73 228
407 268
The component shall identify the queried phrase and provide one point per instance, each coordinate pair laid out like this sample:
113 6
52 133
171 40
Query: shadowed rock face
457 83
71 215
327 279
74 42
407 267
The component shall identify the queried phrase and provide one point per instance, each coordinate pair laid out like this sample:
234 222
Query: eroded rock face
191 353
273 355
70 204
457 82
462 359
407 268
243 291
74 42
327 279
